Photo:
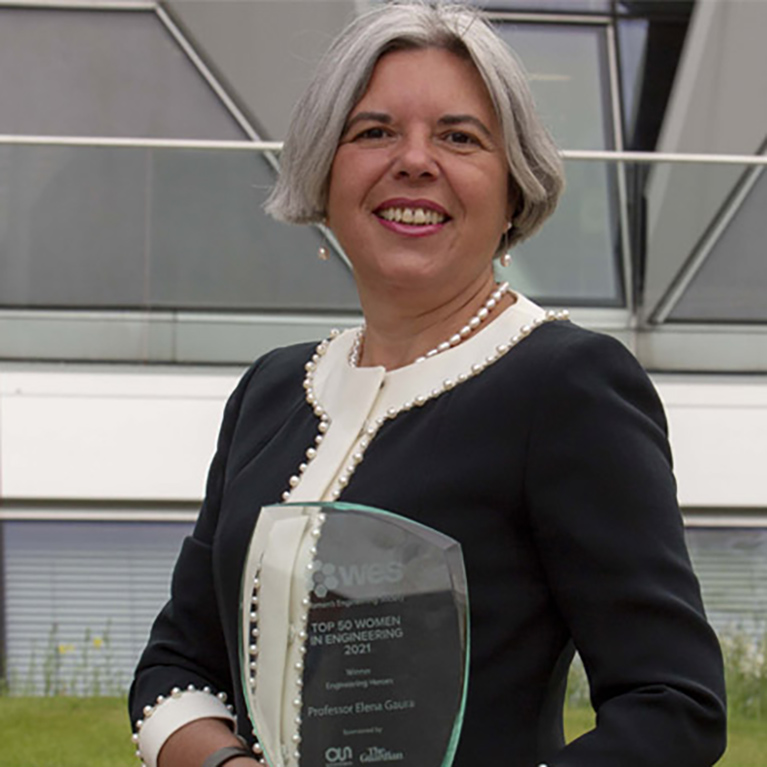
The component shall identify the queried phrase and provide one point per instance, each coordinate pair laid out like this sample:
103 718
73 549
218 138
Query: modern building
139 275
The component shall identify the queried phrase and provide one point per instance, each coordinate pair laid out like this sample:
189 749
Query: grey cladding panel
102 73
72 226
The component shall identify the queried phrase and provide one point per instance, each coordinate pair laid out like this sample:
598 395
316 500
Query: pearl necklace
324 420
476 320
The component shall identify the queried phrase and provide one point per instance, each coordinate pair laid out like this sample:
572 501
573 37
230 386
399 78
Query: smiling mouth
414 216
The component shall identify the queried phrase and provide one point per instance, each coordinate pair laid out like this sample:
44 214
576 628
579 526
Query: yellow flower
97 642
66 648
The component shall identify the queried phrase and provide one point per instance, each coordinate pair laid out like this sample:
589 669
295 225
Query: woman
541 447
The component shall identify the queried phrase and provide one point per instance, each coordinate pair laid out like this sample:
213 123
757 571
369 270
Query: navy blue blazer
552 468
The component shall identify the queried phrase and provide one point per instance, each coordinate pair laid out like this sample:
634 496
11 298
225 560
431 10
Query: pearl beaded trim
253 632
474 322
319 411
297 638
176 693
253 637
372 428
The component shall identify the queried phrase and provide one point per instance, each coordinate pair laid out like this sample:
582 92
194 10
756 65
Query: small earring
505 259
323 252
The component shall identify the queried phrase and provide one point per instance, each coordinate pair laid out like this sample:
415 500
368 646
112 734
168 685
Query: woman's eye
371 133
459 137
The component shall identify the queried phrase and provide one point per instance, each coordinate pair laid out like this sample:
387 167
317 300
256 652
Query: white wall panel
108 436
718 429
130 435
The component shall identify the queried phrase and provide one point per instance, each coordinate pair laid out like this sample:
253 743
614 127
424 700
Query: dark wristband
223 755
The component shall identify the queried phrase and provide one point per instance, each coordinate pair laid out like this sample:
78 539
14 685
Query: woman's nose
415 158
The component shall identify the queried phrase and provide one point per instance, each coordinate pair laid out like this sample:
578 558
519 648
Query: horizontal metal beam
588 155
725 519
82 5
57 515
703 347
547 18
157 337
607 155
140 143
692 519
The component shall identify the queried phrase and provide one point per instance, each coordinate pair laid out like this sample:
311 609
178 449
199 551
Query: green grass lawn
747 738
65 732
93 732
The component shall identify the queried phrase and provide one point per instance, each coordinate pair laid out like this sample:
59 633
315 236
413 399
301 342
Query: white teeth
417 216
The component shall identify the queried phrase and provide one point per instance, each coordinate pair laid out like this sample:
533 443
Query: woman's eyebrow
450 120
378 117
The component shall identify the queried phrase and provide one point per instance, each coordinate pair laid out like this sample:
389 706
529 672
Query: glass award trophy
353 638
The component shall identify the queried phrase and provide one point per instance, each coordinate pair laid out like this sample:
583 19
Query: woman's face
418 194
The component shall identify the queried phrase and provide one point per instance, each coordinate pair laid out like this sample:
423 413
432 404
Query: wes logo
327 576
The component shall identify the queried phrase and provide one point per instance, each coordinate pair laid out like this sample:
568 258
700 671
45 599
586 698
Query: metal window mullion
627 260
207 75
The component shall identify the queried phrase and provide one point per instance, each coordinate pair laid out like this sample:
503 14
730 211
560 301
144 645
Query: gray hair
340 81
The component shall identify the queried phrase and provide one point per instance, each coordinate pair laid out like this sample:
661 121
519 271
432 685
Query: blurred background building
139 275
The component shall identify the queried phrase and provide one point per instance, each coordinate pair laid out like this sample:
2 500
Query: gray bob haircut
340 81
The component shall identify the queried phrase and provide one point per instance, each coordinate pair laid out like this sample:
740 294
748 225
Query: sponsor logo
326 576
339 755
378 754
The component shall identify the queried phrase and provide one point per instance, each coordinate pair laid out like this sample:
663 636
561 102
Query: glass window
632 43
130 228
575 260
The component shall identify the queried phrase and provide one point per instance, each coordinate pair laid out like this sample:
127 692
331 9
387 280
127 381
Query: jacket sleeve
183 673
602 500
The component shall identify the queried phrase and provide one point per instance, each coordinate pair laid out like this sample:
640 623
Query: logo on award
339 755
325 576
378 754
